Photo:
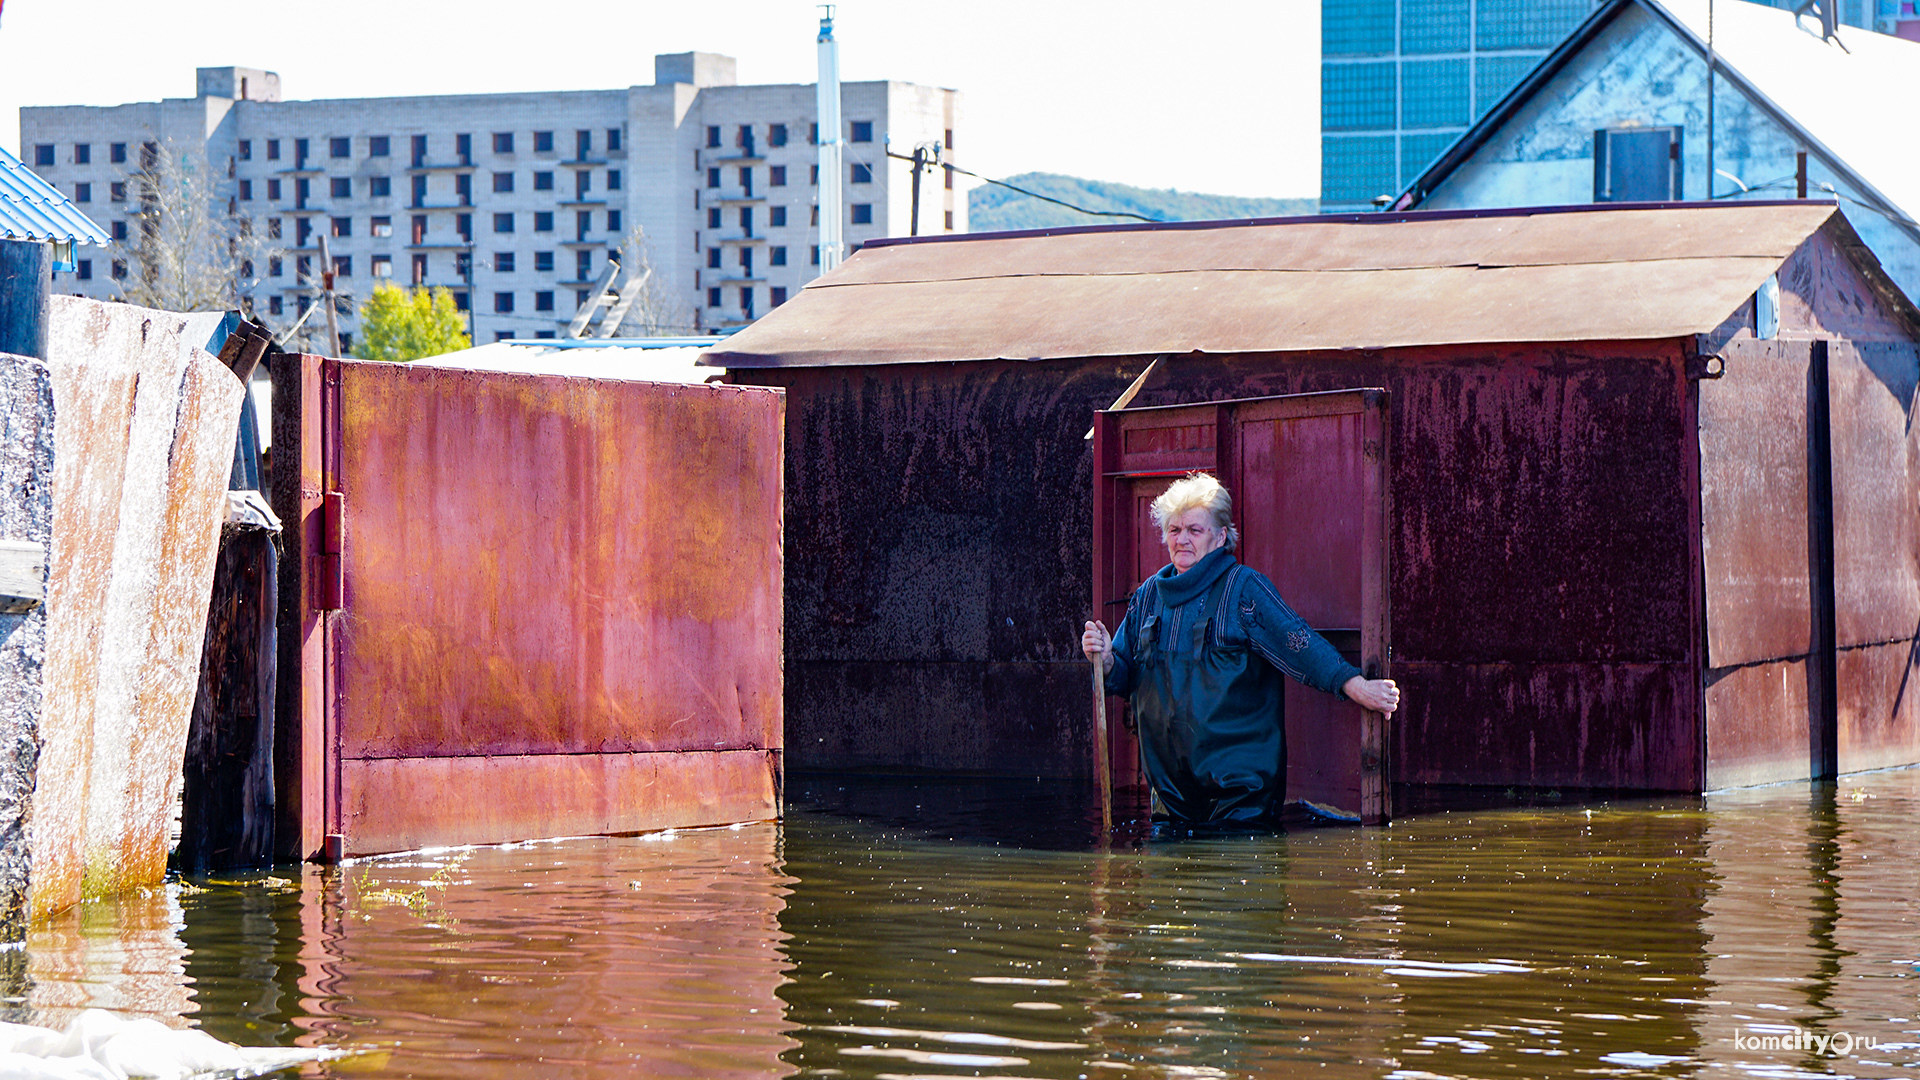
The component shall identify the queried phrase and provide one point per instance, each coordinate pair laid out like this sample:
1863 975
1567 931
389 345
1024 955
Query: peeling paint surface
26 514
562 606
143 445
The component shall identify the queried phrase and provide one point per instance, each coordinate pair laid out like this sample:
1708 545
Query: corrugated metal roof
606 358
32 209
1369 281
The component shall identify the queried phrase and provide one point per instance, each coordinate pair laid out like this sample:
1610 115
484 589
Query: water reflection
125 955
940 929
1482 941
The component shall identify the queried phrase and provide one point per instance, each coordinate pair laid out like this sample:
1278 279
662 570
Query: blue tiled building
1400 80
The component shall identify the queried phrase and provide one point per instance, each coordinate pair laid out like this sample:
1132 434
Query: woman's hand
1379 695
1098 645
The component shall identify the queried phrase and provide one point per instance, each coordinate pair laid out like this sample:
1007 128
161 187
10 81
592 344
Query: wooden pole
26 288
1102 768
326 288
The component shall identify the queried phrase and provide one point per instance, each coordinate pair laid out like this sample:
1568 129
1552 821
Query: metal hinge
330 584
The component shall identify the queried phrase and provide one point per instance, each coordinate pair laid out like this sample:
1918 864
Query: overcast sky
1211 96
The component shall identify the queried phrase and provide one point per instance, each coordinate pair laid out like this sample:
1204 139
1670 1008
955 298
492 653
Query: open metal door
504 635
1308 475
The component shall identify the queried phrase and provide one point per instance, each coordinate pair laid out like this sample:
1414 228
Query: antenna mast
832 247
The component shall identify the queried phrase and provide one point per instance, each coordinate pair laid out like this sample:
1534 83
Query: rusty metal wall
1542 558
1762 574
560 610
299 745
938 553
1541 566
1876 551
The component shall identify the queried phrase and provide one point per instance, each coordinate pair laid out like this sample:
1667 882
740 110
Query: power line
1030 194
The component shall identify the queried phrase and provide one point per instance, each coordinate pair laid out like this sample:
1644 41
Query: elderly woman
1200 655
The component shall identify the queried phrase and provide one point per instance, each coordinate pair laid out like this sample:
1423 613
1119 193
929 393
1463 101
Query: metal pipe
1711 170
26 289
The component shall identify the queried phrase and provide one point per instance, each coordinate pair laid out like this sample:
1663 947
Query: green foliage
406 324
991 208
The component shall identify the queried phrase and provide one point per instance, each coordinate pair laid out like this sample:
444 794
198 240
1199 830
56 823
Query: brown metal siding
937 553
1541 565
547 565
1760 578
1541 557
1876 551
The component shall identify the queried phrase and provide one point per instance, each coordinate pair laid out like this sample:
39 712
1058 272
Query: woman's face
1191 536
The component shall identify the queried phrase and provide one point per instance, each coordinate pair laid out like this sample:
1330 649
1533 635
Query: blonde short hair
1197 491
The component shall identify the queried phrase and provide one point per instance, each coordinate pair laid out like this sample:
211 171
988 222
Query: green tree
407 324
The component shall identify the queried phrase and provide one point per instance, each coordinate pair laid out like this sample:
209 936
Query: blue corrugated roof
32 209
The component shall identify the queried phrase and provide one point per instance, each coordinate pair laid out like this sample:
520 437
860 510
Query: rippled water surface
891 929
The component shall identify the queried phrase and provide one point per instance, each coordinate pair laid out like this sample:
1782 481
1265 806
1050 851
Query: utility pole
471 332
326 297
919 163
1710 81
926 157
832 247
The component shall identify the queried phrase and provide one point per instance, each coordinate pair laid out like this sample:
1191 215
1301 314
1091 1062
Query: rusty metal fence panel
558 605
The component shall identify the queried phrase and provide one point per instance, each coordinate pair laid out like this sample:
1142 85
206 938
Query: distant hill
991 208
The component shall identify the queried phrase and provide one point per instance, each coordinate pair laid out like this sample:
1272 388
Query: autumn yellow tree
406 324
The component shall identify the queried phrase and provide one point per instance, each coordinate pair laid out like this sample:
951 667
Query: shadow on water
1064 815
912 928
1045 814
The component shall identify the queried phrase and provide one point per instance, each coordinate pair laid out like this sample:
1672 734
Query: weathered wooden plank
227 808
23 576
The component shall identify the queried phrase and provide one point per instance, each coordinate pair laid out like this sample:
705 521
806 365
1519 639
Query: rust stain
395 804
143 445
1879 705
1242 287
547 567
1754 504
1758 723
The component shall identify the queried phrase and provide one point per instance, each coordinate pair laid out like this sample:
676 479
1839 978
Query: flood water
894 929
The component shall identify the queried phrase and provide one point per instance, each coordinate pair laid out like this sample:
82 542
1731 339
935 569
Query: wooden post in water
1102 768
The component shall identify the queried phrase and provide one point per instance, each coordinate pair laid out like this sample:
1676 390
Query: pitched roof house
1624 111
